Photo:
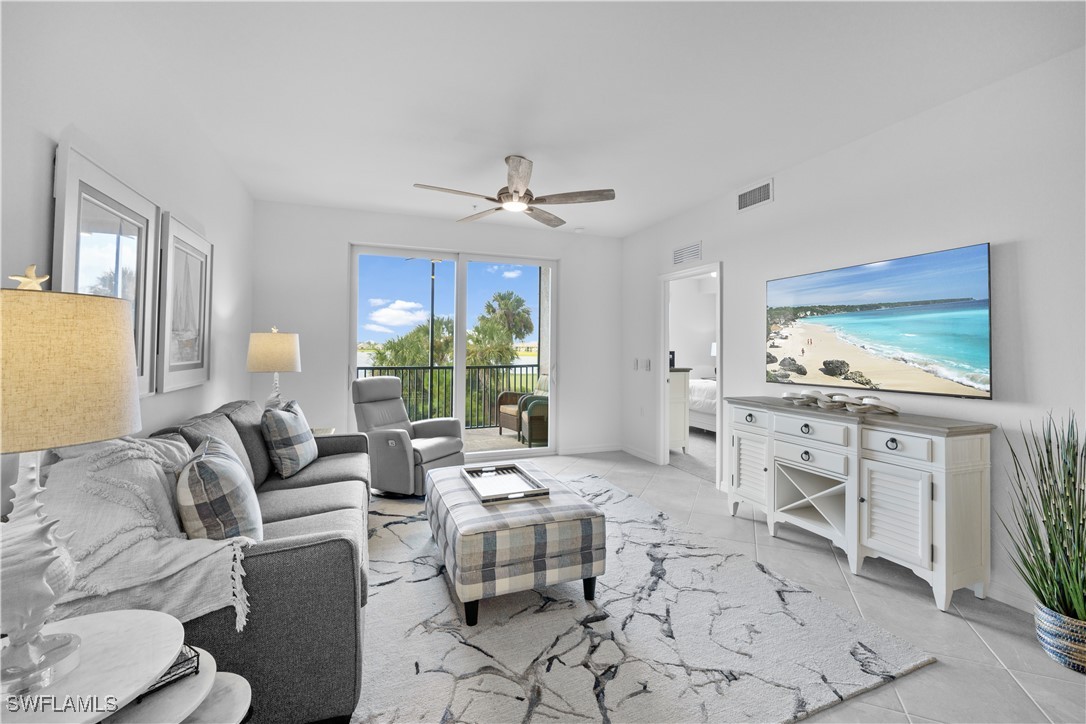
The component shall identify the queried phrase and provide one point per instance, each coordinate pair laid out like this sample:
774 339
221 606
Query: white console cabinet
911 489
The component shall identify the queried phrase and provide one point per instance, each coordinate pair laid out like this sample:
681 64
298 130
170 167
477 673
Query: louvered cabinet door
895 512
751 460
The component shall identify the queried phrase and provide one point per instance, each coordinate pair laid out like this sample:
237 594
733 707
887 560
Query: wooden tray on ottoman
502 483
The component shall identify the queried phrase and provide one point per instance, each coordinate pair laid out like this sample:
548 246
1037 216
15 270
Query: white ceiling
349 104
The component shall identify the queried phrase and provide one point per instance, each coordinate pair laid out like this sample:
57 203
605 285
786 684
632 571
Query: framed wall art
184 330
105 242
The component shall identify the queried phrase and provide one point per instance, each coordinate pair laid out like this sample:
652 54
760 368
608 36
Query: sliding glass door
405 312
470 337
508 355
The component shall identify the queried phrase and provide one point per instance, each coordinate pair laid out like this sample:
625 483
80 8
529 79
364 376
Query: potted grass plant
1048 533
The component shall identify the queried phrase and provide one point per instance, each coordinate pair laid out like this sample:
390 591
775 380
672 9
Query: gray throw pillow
215 496
290 441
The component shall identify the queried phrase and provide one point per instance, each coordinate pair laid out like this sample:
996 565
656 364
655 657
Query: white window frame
460 341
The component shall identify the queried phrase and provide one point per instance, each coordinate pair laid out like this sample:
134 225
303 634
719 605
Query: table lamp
68 376
712 353
274 352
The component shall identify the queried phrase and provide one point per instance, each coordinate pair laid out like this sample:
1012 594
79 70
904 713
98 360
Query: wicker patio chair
510 405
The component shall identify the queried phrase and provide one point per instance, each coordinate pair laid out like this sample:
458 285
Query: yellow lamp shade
274 352
69 370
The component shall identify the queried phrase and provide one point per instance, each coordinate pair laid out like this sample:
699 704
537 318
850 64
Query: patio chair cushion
428 449
510 410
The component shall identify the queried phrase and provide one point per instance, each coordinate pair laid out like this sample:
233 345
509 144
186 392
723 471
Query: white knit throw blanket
117 500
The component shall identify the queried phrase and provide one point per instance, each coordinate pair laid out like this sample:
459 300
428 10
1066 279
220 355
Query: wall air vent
761 193
686 253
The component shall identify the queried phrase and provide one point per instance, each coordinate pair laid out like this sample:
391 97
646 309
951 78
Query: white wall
691 327
303 274
1003 164
115 98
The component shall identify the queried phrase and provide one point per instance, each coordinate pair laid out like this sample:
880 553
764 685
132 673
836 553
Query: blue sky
394 292
939 275
98 253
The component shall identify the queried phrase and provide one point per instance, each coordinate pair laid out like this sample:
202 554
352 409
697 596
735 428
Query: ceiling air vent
755 195
686 253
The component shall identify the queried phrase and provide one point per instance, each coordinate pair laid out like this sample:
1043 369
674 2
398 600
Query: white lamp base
34 573
57 656
274 401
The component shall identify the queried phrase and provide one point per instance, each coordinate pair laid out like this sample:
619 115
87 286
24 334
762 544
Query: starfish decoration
274 330
29 278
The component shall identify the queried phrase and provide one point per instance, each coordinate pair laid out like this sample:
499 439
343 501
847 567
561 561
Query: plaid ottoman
507 547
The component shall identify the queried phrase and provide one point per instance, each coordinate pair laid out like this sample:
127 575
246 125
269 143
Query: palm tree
511 310
413 349
490 343
106 284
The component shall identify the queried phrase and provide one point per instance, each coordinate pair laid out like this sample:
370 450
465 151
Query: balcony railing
428 391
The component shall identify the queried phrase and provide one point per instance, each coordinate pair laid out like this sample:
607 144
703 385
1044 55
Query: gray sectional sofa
301 650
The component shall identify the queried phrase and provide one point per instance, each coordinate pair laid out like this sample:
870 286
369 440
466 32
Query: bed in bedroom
703 401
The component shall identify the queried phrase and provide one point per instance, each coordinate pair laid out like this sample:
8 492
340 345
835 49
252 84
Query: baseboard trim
1007 595
586 450
646 456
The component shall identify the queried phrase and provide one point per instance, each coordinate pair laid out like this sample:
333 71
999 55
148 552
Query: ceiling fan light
514 206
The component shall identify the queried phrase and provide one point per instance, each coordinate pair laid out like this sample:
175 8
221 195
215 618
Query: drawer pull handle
805 456
863 500
806 429
749 417
891 444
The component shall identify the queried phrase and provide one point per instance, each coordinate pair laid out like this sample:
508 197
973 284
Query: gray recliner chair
401 451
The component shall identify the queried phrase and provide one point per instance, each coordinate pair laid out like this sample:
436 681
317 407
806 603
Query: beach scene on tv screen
916 324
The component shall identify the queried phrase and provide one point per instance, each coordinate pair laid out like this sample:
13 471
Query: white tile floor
989 669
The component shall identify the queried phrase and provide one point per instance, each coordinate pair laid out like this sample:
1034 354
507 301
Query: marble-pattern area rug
682 630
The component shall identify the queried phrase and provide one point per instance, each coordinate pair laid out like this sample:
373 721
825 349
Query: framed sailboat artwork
184 330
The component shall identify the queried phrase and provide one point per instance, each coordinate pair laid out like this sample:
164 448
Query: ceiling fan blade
454 191
577 197
480 215
520 173
544 217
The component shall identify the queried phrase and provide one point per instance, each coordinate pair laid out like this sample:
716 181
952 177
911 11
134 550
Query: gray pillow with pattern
215 496
290 441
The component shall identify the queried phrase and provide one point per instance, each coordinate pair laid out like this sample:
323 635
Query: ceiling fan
517 197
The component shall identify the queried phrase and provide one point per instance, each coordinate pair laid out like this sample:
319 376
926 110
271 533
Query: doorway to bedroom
691 331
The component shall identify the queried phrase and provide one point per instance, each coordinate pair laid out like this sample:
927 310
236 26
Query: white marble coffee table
121 654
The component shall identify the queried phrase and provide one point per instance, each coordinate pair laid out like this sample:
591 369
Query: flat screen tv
915 324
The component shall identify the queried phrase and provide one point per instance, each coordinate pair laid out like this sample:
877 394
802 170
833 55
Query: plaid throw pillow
215 496
290 441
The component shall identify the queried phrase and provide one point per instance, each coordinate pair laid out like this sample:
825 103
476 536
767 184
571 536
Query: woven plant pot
1062 637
